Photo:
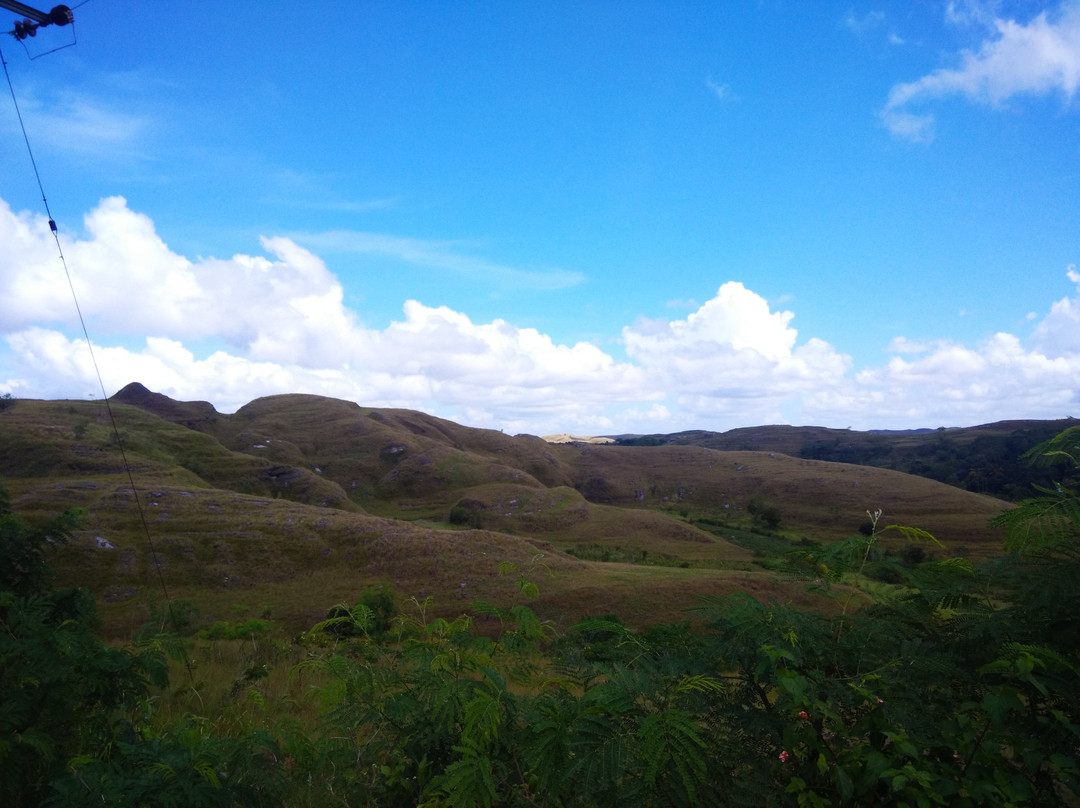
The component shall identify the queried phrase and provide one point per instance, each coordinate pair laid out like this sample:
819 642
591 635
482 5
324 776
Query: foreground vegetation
957 684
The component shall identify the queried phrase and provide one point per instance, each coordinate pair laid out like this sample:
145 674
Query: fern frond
912 534
548 742
1042 522
602 625
482 718
599 746
700 683
468 781
486 609
207 772
164 769
1038 656
671 739
1065 446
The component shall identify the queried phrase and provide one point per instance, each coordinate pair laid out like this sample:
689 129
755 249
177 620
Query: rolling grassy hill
984 459
295 502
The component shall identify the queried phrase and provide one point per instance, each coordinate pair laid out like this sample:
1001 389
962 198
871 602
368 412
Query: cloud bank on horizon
230 330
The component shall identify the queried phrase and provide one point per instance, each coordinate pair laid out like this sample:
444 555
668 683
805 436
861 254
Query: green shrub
468 515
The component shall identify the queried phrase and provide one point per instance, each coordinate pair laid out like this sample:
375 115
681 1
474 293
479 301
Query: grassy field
295 503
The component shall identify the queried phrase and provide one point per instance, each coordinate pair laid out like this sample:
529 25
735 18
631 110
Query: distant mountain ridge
984 459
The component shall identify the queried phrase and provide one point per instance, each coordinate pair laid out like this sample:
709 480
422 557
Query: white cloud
862 24
1059 334
283 321
439 255
278 324
729 346
972 12
82 124
1037 58
313 191
733 360
916 128
682 304
88 126
129 282
721 91
903 345
954 384
734 320
870 23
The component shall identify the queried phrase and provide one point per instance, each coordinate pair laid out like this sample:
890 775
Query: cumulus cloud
726 348
736 318
954 384
283 323
1058 335
231 330
129 282
903 345
1040 57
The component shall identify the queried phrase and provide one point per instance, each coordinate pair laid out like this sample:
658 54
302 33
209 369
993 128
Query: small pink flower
783 756
803 715
881 701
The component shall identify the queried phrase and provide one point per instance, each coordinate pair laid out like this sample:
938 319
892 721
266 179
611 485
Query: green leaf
912 534
468 782
844 784
482 717
528 589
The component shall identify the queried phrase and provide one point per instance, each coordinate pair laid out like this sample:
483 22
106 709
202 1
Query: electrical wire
108 407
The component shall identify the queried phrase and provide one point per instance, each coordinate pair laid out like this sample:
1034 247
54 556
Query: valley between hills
296 502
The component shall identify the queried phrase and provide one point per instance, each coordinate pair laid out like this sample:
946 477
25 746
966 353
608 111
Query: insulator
61 15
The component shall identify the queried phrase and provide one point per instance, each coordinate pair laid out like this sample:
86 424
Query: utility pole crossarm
40 17
33 19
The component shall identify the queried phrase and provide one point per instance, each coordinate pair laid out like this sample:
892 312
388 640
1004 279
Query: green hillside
295 502
983 459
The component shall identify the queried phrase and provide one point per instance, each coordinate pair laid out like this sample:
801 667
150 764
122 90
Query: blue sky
548 217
